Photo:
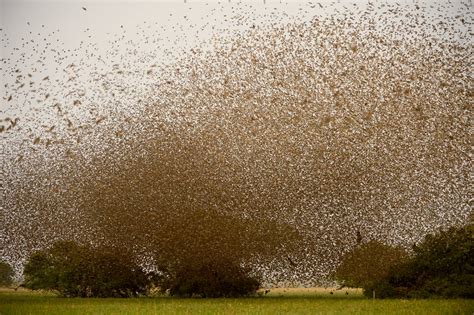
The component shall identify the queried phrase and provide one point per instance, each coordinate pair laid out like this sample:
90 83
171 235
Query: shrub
75 270
210 279
6 274
368 263
202 252
442 266
382 290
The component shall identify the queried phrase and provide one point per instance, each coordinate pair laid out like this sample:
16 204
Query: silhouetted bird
292 263
359 237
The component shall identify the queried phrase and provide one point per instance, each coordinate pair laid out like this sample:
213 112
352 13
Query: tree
210 278
78 270
442 266
368 263
208 254
6 274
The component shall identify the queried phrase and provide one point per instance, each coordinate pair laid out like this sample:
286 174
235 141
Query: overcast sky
41 28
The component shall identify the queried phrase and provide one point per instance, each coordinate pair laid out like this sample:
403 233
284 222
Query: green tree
76 270
6 274
442 265
368 263
205 253
210 278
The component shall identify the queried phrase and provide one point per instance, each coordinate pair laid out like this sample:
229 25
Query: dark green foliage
75 270
442 266
368 263
202 253
209 279
6 274
382 290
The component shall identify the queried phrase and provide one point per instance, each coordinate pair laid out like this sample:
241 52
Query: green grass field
278 301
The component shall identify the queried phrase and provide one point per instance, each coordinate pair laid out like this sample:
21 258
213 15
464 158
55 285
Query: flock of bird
343 127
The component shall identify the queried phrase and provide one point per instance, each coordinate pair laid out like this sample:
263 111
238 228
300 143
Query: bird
84 8
358 237
292 263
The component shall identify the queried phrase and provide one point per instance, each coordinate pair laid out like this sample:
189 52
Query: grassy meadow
277 301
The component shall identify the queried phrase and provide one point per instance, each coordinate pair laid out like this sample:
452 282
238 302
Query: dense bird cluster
339 128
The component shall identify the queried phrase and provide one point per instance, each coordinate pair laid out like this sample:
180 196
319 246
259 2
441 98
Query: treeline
75 270
189 253
442 265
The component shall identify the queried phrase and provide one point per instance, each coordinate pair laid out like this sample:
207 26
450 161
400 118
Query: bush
75 270
6 274
217 278
202 252
368 263
442 266
382 290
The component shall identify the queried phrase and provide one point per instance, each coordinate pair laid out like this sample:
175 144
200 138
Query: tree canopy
78 270
368 263
6 274
442 266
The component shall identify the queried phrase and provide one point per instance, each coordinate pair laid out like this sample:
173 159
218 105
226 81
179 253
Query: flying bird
359 237
292 263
